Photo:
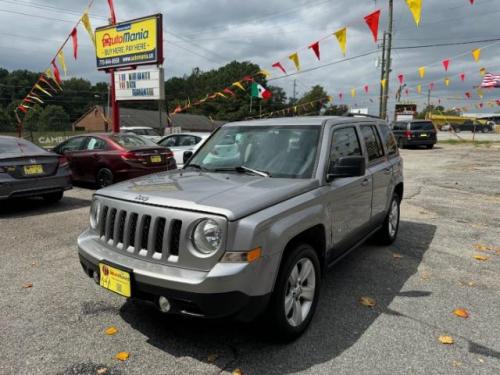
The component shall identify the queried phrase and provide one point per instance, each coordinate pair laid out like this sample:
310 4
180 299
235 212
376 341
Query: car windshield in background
132 141
150 132
422 126
19 147
279 151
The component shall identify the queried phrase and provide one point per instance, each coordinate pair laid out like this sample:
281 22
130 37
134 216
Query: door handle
365 182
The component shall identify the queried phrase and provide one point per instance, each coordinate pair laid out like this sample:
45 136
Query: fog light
164 304
95 276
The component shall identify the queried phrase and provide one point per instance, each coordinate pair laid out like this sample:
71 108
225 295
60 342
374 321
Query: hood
231 195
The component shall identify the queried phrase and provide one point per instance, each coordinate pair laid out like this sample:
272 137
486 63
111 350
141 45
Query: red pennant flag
22 108
57 76
446 64
468 95
228 91
498 102
372 20
279 66
26 100
315 48
407 92
401 78
462 77
431 86
481 105
366 89
112 11
471 2
74 38
341 96
42 79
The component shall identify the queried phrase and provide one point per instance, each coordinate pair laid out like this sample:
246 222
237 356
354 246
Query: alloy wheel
300 292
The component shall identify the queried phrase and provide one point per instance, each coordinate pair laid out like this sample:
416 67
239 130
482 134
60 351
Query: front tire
104 178
389 231
296 293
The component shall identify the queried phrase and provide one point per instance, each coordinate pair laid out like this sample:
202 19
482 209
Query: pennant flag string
279 66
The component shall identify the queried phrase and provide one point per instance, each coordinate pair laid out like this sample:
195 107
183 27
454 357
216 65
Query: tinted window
129 140
389 140
400 125
96 144
188 140
373 143
344 143
422 126
73 144
18 146
170 141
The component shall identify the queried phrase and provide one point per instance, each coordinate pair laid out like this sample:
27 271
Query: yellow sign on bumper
116 280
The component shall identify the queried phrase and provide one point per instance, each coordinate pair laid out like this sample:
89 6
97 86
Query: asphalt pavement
52 317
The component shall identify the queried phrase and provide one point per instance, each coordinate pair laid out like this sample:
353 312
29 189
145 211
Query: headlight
95 213
207 236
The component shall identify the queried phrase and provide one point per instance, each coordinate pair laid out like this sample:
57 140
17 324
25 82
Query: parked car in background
250 230
415 133
182 142
27 170
473 126
143 131
104 159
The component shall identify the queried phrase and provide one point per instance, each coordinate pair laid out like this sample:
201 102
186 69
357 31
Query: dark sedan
104 159
473 126
27 170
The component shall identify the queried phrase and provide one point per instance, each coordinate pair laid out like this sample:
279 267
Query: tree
336 110
31 121
5 124
313 101
55 118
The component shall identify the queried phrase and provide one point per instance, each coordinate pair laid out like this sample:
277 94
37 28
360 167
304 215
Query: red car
104 159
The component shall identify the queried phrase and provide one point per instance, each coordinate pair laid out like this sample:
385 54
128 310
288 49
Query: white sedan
143 131
182 142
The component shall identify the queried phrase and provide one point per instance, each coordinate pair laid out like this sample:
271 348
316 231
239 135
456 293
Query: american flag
490 81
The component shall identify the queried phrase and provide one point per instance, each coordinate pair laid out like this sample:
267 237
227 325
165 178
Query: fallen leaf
27 285
446 340
480 360
102 371
482 248
212 358
461 313
367 301
481 258
425 275
471 283
111 331
237 372
122 356
33 264
457 364
397 256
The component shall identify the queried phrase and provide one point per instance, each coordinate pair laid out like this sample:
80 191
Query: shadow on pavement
19 208
339 322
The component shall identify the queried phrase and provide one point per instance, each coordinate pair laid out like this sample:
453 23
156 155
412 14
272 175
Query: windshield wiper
243 169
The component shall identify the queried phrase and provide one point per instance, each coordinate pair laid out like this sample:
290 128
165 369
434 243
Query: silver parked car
27 170
182 142
252 222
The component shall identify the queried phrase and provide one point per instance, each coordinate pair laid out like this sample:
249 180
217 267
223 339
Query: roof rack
350 114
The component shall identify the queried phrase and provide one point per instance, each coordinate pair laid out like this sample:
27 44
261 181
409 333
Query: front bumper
228 289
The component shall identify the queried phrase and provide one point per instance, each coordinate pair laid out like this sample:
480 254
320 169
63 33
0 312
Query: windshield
18 146
131 141
422 126
280 151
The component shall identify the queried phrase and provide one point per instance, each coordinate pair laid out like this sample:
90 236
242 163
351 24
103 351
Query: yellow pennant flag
295 59
353 93
49 74
88 26
490 104
330 99
295 109
382 82
476 54
341 36
221 95
265 73
416 9
239 85
62 62
480 93
419 88
42 90
482 71
421 71
447 81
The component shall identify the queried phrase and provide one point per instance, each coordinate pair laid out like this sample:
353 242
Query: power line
50 8
35 15
446 44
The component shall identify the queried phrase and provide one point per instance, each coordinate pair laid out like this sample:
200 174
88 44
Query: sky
210 33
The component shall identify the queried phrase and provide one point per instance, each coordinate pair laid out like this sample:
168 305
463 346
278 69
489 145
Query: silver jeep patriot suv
251 222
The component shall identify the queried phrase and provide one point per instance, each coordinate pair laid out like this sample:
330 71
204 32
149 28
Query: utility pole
382 75
388 59
429 98
294 90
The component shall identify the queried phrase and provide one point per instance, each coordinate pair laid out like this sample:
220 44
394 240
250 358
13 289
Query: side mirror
186 156
347 166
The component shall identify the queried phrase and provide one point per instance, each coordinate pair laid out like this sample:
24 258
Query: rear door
72 150
379 168
349 199
91 157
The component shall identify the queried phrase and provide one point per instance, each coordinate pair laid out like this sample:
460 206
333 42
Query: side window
73 144
389 140
373 143
170 141
187 140
96 144
345 142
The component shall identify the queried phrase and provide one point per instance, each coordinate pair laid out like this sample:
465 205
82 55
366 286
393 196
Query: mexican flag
259 91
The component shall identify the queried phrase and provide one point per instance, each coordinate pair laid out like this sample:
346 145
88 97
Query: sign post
126 45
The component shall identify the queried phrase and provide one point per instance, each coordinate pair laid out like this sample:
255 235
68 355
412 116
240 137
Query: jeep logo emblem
141 198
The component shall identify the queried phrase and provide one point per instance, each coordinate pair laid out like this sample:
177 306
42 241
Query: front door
349 199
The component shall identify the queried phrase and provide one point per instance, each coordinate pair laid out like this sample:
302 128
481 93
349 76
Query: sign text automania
109 41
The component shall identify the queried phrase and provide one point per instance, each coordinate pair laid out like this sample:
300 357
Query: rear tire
104 178
389 231
53 197
295 294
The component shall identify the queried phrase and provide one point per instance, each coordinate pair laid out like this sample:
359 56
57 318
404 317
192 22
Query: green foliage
436 110
317 95
5 124
54 117
336 110
31 121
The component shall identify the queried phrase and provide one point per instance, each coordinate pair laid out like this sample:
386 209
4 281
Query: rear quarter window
422 126
389 140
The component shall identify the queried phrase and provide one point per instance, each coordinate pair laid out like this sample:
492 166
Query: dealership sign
144 84
131 43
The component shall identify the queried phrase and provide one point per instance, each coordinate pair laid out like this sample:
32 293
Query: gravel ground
452 203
